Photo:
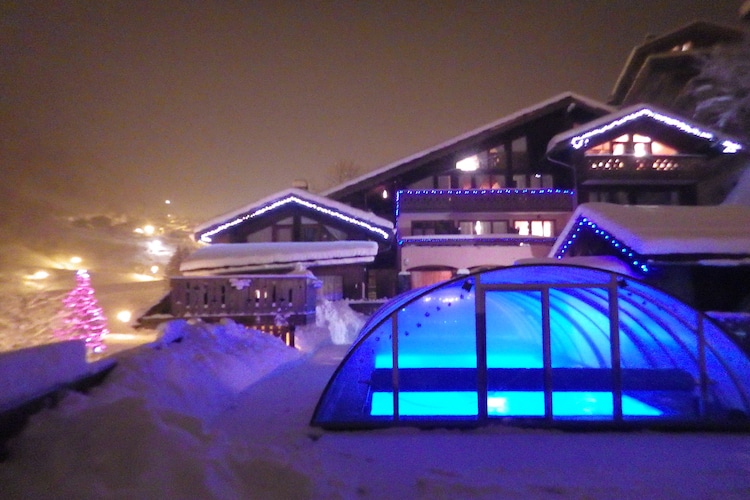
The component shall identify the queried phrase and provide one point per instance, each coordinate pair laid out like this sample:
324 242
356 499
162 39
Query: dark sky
121 105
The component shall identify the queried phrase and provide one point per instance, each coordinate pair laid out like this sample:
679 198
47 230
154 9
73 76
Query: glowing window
469 164
636 144
534 227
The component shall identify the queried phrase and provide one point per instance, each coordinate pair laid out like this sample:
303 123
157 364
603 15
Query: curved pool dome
538 345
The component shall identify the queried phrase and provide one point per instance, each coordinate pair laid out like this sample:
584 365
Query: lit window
522 226
637 145
469 164
533 228
541 228
660 149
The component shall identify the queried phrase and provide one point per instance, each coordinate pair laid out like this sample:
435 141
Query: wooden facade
508 153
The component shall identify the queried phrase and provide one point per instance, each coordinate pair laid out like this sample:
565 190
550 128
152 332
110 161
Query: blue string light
621 250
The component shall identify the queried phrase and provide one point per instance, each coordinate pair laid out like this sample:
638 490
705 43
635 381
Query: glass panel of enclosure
581 354
357 394
437 355
515 365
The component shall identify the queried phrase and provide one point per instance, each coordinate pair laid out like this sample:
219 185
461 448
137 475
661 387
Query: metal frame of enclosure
539 345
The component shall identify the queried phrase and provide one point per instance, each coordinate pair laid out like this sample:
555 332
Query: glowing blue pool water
507 403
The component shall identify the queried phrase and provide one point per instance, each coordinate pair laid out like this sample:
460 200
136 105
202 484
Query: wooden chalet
643 155
507 153
659 69
295 217
700 254
266 264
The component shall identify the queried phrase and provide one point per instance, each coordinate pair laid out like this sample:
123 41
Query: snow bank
35 371
340 320
143 432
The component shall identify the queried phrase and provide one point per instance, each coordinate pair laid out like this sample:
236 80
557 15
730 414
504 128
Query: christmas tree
82 317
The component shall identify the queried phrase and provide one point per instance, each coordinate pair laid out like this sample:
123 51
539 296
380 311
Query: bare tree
342 171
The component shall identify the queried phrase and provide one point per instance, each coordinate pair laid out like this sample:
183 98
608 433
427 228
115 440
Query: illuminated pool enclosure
538 345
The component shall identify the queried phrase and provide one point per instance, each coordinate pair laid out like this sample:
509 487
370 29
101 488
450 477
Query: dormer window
631 145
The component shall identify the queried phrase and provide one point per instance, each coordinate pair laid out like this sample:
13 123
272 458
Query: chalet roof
703 35
668 230
669 127
459 142
366 220
226 258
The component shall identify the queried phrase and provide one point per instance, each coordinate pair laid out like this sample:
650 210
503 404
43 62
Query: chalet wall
457 257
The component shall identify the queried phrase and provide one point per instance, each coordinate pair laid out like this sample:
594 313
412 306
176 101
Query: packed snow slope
222 412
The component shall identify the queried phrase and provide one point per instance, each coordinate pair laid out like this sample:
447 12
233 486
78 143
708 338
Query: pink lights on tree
82 317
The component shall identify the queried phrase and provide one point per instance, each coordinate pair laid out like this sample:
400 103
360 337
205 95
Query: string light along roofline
582 140
206 237
623 251
474 192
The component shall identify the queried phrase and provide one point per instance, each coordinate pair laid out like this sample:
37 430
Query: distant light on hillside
39 275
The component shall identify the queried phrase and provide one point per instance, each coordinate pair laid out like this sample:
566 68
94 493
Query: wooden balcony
272 303
674 166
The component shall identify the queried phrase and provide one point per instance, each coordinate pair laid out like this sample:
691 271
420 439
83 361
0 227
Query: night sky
122 105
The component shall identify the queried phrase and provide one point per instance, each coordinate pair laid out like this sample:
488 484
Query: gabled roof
381 228
564 100
664 230
676 131
703 34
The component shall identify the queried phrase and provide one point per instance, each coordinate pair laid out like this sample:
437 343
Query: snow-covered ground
224 412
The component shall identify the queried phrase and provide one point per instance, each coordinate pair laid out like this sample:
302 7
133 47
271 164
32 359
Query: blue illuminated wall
539 344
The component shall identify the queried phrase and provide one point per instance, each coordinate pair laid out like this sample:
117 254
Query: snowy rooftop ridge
237 257
369 220
495 124
665 230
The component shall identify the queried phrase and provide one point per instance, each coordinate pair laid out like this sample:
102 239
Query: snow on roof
367 220
605 262
244 257
664 230
579 137
496 124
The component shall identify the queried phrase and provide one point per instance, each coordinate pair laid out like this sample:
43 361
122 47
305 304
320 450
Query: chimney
300 184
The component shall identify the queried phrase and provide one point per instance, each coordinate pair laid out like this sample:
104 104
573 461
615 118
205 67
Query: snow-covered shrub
337 317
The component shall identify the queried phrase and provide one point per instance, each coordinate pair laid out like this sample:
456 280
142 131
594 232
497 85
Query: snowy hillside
42 246
224 411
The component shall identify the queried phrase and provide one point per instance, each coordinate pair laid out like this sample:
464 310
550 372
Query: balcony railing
642 165
275 303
